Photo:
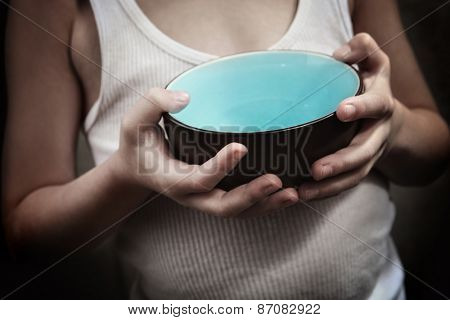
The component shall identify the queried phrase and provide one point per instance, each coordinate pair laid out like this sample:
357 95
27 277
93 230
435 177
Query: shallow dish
280 104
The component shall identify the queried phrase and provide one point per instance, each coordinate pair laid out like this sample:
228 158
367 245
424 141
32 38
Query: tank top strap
345 15
323 26
111 23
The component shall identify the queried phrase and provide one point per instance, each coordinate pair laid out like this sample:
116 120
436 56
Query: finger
180 178
332 186
363 49
367 105
208 175
231 203
276 201
152 105
365 146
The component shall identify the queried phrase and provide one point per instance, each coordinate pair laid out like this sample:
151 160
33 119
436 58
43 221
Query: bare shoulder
38 25
38 33
85 40
41 6
46 13
44 23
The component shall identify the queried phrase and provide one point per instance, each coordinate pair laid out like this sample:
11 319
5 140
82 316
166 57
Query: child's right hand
189 185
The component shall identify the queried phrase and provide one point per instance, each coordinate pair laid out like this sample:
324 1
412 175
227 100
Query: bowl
280 104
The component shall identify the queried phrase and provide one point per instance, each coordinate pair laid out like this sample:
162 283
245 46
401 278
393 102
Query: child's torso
168 251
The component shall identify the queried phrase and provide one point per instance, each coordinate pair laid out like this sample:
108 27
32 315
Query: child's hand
189 185
381 120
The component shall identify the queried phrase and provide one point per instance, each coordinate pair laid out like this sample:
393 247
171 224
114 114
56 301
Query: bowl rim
167 116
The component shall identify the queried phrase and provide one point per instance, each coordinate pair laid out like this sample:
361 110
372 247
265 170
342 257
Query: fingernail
181 98
343 52
289 202
270 189
240 151
293 198
349 112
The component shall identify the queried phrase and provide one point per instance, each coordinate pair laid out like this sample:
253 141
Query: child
180 245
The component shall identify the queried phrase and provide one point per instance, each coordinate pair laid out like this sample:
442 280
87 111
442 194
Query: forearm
419 150
61 217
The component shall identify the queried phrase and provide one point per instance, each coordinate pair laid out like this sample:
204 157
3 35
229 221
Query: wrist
125 176
398 118
415 143
122 173
399 115
394 147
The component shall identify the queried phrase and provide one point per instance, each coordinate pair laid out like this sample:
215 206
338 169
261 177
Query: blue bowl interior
263 91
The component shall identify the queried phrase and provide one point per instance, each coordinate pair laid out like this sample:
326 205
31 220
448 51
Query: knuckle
361 104
363 173
339 165
386 60
366 39
223 211
381 104
388 102
251 195
385 63
174 193
198 186
367 154
355 181
178 189
154 97
128 127
151 94
318 170
321 192
386 107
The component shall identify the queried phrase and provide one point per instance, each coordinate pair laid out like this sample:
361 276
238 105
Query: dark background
423 219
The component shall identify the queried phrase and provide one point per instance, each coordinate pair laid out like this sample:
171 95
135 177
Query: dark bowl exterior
287 153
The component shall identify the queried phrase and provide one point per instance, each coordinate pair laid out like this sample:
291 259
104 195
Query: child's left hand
381 118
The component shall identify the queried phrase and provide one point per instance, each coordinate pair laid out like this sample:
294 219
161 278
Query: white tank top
167 251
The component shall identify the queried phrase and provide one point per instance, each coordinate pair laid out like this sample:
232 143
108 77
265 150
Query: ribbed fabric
171 252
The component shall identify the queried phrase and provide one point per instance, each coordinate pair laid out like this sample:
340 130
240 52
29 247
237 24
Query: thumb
149 109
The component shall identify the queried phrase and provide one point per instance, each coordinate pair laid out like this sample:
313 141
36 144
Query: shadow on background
420 231
423 214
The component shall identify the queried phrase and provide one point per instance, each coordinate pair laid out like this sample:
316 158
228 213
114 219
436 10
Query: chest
222 27
212 26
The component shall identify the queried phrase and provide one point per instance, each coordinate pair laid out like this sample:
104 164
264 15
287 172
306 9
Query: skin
48 208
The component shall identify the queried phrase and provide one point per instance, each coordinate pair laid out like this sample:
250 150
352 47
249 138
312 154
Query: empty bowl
280 104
